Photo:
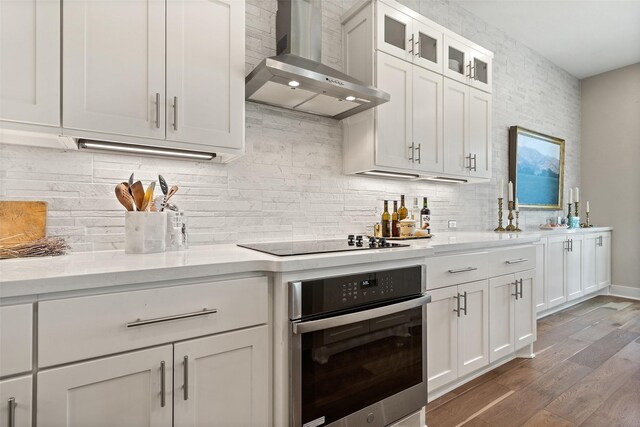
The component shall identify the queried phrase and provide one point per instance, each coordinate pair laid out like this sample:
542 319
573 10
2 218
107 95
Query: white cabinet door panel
122 391
556 291
501 312
574 268
16 339
394 135
541 274
394 32
480 133
205 72
589 274
456 127
428 47
603 260
442 329
114 74
30 61
473 328
525 328
427 119
228 380
481 72
19 389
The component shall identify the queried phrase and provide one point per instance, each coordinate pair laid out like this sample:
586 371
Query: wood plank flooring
586 373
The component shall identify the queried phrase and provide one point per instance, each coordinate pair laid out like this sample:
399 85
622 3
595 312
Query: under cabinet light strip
444 179
390 174
136 149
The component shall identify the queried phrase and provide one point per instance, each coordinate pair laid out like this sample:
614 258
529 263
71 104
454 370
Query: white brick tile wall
289 184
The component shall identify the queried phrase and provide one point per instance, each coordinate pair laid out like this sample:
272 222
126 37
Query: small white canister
407 227
145 232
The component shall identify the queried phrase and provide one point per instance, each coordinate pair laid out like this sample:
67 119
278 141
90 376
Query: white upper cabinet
456 127
467 64
427 116
30 62
113 67
480 133
395 32
205 72
428 47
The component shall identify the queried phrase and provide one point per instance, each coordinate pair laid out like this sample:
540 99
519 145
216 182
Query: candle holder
586 224
500 227
569 213
510 227
517 225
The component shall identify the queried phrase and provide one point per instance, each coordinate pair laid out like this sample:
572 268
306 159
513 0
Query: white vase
145 232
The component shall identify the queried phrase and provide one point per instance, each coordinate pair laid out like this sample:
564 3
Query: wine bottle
425 216
386 220
395 223
402 212
415 211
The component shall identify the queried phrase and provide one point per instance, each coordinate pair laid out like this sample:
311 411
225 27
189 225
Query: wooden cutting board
22 222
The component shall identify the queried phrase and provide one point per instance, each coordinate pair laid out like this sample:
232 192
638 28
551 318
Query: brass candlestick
500 227
517 225
510 227
569 213
577 210
586 224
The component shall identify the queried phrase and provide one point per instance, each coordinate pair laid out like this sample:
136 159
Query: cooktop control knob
350 239
383 243
372 242
359 241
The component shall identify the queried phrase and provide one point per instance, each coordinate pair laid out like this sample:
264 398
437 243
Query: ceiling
584 37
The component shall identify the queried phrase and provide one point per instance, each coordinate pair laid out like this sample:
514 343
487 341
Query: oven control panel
344 292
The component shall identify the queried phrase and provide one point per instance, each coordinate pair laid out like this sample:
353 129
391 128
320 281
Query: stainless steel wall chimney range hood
296 79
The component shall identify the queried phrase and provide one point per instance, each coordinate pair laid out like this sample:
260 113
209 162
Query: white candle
571 195
510 191
588 206
517 207
577 195
501 188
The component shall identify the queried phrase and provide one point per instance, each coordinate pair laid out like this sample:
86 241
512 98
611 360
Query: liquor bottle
415 211
402 212
386 220
395 223
425 216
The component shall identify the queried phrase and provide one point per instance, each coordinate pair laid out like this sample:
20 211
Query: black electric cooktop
352 243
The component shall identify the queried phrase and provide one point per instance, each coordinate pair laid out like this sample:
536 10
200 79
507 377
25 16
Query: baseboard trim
624 291
542 314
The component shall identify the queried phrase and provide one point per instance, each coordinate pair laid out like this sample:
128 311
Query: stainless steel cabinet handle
175 113
418 45
469 161
186 377
162 392
413 152
465 303
140 322
599 240
571 245
521 288
419 150
158 110
475 162
471 69
463 270
567 245
457 309
516 285
411 40
11 412
346 319
516 261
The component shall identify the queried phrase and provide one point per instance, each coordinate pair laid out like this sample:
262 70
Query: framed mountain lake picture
536 168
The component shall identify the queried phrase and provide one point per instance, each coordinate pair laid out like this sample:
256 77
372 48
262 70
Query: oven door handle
332 322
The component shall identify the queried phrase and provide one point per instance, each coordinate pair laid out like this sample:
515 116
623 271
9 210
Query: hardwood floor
586 373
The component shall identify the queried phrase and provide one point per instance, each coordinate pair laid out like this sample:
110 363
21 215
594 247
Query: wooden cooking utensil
138 194
124 196
148 196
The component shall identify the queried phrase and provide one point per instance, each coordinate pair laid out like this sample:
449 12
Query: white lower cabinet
589 273
222 380
132 389
458 321
16 397
556 271
573 261
513 314
603 260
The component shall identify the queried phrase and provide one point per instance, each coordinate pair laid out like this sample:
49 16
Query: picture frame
536 168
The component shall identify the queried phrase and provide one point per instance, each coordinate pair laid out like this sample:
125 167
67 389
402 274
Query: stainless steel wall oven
358 348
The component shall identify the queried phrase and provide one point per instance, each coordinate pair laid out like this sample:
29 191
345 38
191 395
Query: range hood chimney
296 79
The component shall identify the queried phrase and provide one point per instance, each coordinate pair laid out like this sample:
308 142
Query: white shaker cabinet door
205 72
113 67
480 133
589 274
16 402
541 275
133 389
442 333
456 127
502 294
574 267
473 327
603 260
427 120
556 271
525 313
223 380
394 118
30 61
394 32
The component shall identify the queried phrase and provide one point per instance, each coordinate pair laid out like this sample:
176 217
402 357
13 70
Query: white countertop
92 270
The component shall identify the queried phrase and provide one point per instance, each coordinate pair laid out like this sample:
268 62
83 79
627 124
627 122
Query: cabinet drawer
16 326
105 324
512 260
453 269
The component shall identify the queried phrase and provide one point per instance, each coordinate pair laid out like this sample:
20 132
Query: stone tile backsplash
290 185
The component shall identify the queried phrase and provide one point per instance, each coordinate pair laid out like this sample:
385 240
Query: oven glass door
346 368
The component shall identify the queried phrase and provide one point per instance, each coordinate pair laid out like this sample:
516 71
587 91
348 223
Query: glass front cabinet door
395 33
466 64
428 47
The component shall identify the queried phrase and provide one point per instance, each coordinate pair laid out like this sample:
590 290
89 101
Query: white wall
611 164
289 184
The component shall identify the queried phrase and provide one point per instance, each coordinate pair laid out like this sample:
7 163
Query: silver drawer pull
11 412
516 261
162 385
463 270
140 322
186 378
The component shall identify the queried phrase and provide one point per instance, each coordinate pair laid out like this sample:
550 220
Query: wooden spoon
138 194
124 197
148 196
